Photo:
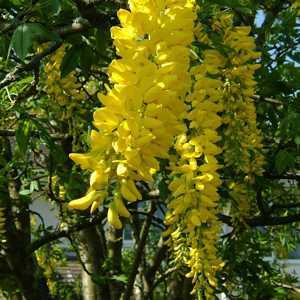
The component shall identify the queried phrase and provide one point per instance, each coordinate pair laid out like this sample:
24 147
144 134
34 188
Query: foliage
61 76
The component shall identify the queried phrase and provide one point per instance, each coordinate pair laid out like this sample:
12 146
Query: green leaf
295 57
121 278
43 133
58 155
17 2
70 61
163 189
297 140
101 40
23 136
21 41
4 45
24 36
283 161
34 186
50 7
56 151
87 58
25 192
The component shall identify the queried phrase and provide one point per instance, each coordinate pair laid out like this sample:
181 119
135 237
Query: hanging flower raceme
242 139
65 91
192 219
144 108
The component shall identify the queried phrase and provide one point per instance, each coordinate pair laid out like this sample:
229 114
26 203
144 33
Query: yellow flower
143 110
99 178
120 207
65 91
194 187
243 145
113 217
90 198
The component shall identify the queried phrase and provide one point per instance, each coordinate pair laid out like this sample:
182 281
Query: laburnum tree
176 121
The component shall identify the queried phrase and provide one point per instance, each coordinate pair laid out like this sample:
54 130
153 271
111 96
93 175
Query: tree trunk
92 256
114 245
30 281
20 261
179 288
16 296
89 288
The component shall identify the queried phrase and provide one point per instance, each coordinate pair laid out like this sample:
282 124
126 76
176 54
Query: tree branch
155 264
284 176
260 203
267 99
284 206
53 236
15 75
273 221
156 221
139 252
89 11
77 26
10 133
7 132
164 276
263 220
157 259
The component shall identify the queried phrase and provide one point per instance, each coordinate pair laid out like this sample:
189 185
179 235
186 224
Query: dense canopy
173 122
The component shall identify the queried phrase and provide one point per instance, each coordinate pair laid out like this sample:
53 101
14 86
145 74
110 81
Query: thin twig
139 252
262 220
53 236
267 99
19 70
164 276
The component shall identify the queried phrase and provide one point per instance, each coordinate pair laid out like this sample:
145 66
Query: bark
92 252
92 256
149 278
179 287
139 253
114 248
21 263
29 278
17 296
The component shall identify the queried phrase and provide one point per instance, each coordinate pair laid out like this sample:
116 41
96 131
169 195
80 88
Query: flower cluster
195 178
242 141
144 107
65 91
156 101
